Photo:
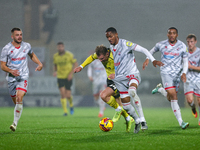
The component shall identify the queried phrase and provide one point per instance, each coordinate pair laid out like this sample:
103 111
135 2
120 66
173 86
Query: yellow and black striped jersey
109 64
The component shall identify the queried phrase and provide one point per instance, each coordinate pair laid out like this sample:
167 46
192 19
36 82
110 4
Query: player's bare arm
145 64
70 76
78 69
111 76
193 67
157 63
6 69
55 70
35 59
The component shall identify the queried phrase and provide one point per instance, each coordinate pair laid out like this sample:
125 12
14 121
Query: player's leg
21 89
175 107
125 98
198 100
133 84
190 100
101 107
159 89
63 99
68 84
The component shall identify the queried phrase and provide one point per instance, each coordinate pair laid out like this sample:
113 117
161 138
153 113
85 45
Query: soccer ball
106 124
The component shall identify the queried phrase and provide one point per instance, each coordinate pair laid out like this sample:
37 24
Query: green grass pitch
46 128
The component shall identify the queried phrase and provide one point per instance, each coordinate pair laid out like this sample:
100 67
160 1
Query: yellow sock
64 104
124 113
112 102
70 101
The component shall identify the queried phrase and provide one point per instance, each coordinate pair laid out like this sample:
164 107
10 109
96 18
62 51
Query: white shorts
191 87
123 82
98 87
170 82
17 85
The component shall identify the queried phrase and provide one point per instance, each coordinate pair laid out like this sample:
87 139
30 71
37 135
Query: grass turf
46 128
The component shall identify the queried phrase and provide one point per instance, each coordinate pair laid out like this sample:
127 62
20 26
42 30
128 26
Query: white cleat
13 127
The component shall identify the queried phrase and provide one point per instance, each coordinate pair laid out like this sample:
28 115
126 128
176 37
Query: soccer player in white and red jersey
173 53
97 74
127 76
14 61
192 84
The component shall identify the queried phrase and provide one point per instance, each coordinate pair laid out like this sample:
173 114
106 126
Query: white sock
128 118
17 112
101 105
131 111
176 110
118 108
138 106
162 91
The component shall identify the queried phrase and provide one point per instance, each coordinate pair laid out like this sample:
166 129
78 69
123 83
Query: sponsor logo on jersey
117 64
170 54
24 50
18 60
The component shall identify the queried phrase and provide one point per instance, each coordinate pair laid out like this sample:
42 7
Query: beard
15 40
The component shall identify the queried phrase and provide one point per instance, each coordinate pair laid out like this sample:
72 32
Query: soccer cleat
117 115
144 126
137 128
71 110
65 114
184 125
100 115
155 90
13 127
129 124
194 112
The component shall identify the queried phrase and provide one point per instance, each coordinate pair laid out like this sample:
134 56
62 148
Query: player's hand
157 63
77 69
39 67
145 64
70 76
111 76
55 74
15 72
183 77
91 79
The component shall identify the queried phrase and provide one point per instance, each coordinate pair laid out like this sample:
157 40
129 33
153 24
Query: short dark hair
15 29
111 29
190 36
60 43
101 49
173 28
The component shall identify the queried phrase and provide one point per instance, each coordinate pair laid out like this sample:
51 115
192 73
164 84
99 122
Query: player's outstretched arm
78 69
35 59
6 69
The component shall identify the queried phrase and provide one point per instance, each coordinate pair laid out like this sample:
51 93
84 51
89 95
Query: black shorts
111 84
64 83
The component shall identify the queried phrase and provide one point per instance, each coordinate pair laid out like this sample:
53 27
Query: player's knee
132 91
103 96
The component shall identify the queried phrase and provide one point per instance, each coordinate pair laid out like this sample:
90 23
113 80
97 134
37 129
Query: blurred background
81 26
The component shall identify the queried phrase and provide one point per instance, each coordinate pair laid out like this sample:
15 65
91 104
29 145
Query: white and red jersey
124 59
171 56
194 59
97 71
16 59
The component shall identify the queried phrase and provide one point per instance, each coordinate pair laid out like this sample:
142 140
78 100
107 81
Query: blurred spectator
50 20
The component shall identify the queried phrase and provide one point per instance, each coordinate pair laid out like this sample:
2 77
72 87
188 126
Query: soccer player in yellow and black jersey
110 95
64 64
